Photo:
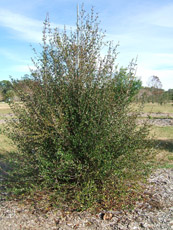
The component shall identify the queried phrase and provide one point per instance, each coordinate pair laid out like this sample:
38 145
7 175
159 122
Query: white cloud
163 16
165 76
159 16
156 60
26 28
159 64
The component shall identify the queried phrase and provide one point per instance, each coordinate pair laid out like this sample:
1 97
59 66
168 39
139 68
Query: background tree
170 94
1 96
74 127
127 85
155 86
154 82
6 89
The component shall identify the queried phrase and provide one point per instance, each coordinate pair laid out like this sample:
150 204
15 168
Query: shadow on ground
166 145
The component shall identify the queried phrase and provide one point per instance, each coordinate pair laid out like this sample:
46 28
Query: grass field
163 132
4 110
163 137
156 108
6 145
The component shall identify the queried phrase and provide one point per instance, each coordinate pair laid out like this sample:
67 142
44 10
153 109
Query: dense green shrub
74 125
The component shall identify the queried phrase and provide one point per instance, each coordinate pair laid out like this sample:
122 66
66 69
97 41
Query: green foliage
6 89
170 94
127 85
74 125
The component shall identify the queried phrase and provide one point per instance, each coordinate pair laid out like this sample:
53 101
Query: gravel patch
161 122
157 119
155 213
157 122
164 115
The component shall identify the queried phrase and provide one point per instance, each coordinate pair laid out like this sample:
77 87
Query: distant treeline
154 95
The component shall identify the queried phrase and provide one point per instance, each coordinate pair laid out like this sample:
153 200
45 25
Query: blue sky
143 28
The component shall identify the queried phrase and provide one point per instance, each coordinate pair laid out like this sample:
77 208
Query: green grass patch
4 109
6 145
157 108
164 152
164 146
166 166
165 132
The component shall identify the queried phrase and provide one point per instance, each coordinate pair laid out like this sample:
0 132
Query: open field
163 132
6 145
157 108
5 111
4 108
163 137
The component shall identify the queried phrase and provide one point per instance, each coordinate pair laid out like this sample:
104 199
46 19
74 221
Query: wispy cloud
159 15
143 29
165 76
24 27
12 56
163 16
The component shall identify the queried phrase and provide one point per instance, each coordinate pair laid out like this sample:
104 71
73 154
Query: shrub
74 125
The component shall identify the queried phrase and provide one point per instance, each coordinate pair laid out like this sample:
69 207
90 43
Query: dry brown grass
157 108
164 142
6 145
4 109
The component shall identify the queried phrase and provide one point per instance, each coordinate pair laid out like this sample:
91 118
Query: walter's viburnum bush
74 125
